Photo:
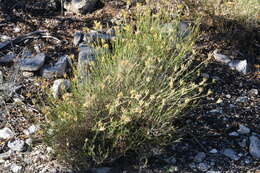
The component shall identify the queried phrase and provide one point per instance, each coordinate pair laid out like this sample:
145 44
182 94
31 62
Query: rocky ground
223 135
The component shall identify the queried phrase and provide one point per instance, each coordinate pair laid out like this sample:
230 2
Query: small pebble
6 133
1 77
213 151
243 129
253 92
59 86
31 130
228 96
203 167
16 145
16 168
233 134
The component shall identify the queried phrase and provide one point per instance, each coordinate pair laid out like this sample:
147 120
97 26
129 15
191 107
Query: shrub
132 96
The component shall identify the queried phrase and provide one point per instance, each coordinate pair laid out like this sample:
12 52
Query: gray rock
58 70
94 36
86 57
6 155
59 86
6 133
31 130
1 77
80 6
100 170
32 64
243 129
203 167
199 157
78 38
242 99
220 57
16 168
254 147
16 145
239 65
253 92
233 134
8 58
230 153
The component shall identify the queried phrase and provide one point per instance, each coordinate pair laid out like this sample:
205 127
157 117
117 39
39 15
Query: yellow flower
128 28
141 102
138 110
106 46
101 126
152 97
126 119
120 95
148 79
138 96
97 25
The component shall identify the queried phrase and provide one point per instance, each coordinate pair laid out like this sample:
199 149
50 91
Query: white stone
31 130
220 57
254 147
6 133
16 145
239 65
213 151
28 141
228 96
16 168
60 85
80 6
253 92
1 77
243 129
6 155
233 134
203 167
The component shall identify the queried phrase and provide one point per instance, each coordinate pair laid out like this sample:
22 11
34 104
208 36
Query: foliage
132 96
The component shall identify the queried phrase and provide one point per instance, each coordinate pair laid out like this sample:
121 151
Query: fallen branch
20 38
